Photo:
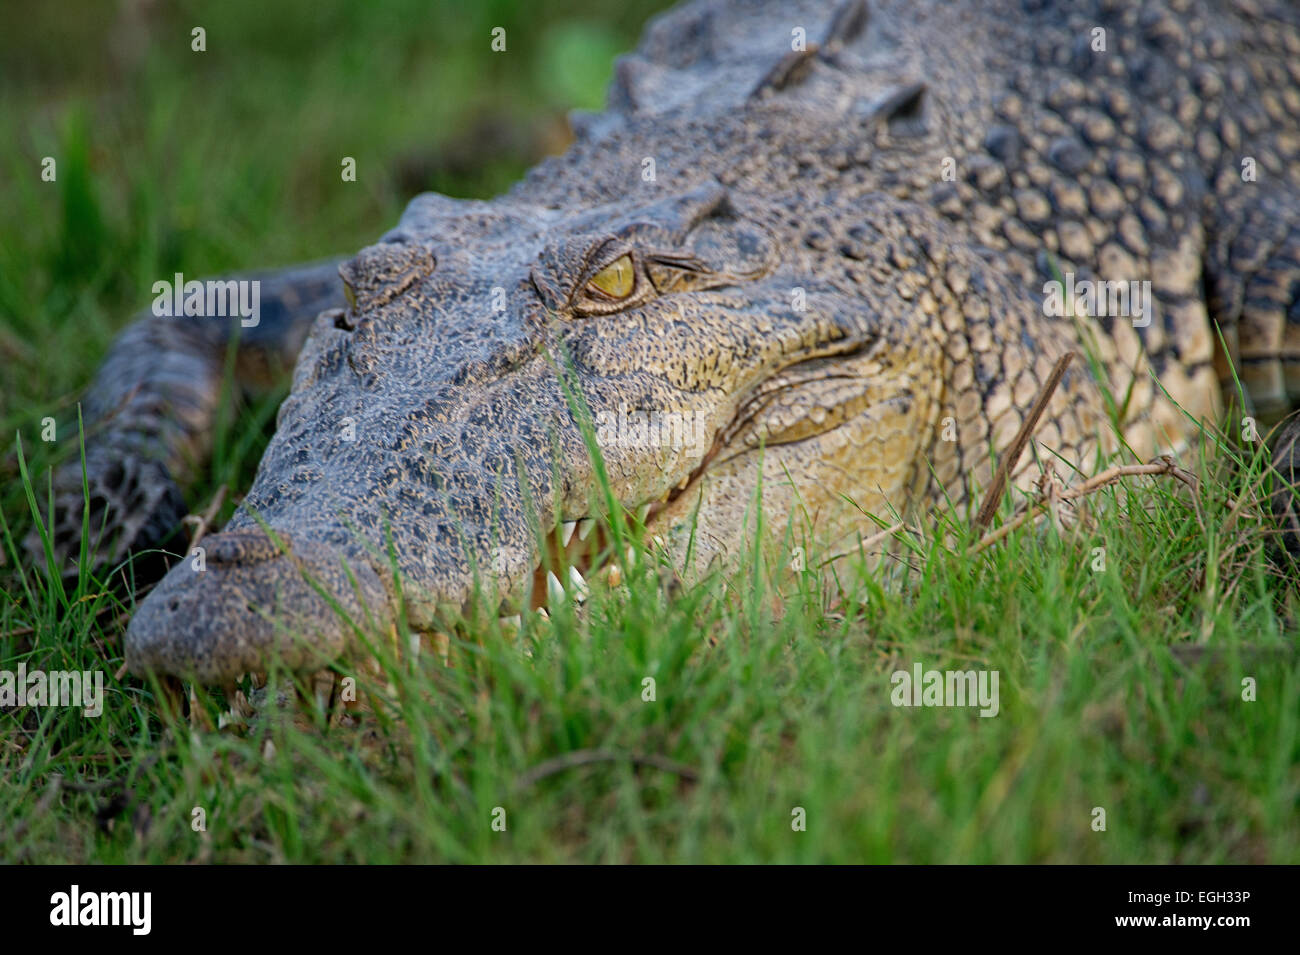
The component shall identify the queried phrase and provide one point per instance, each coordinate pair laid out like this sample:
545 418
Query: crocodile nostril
344 320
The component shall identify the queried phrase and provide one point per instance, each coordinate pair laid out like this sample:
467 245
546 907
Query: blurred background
170 160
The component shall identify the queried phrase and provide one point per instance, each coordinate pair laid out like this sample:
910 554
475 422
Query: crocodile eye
615 280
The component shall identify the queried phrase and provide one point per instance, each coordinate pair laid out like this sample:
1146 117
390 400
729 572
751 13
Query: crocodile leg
1254 295
1269 342
149 413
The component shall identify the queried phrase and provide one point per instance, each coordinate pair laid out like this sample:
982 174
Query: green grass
1120 688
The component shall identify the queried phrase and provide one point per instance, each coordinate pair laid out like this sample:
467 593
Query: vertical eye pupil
615 280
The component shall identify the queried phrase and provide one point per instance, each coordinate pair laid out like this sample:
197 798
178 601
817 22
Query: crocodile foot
129 505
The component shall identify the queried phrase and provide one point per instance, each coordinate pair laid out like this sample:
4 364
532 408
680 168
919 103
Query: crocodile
811 258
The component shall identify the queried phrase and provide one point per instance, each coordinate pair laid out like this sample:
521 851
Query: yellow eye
614 280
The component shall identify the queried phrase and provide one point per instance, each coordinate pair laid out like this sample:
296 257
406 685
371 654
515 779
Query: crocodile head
436 427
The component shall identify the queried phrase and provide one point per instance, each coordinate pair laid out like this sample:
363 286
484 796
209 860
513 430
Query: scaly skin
839 264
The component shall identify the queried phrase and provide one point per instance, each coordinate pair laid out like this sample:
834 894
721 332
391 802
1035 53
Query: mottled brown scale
840 257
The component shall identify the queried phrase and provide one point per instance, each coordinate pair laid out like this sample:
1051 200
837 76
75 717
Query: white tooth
642 511
566 532
615 576
554 589
198 715
512 622
541 612
442 645
630 556
584 527
685 483
242 708
321 685
580 589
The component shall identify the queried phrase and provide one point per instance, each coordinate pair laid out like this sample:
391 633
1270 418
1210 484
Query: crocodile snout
247 601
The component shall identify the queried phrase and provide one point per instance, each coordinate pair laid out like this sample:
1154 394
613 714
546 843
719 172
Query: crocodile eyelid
604 255
683 261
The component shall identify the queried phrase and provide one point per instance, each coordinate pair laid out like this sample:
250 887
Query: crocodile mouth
581 550
209 627
579 554
584 549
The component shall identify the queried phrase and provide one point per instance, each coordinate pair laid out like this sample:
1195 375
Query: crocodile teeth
566 532
642 511
541 612
554 589
580 588
241 706
512 623
686 481
615 576
323 687
442 645
584 527
198 715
